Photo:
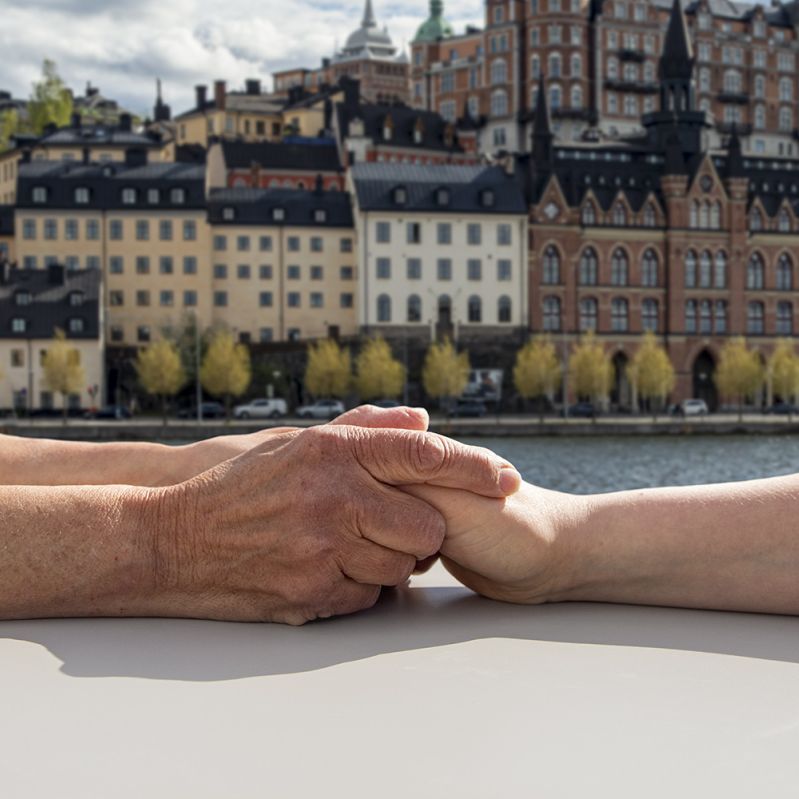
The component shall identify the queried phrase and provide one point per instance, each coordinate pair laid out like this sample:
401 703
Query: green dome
436 27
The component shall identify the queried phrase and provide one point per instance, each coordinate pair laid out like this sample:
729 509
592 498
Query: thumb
402 418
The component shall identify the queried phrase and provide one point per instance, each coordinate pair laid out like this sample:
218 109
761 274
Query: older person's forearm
731 546
76 551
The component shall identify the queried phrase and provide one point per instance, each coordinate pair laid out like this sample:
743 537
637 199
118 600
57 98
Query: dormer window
81 195
22 298
400 195
178 196
442 196
755 220
487 199
39 194
76 299
278 214
229 214
76 325
418 132
388 129
19 325
128 196
153 196
320 215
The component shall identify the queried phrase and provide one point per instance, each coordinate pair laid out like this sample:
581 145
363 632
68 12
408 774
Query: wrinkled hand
509 549
308 524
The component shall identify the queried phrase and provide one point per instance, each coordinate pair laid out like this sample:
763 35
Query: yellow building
283 263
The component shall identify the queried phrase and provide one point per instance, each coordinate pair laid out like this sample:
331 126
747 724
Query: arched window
786 90
499 103
550 273
760 89
704 79
475 309
760 117
589 214
619 268
784 221
535 68
705 270
555 97
754 318
732 81
690 316
619 315
414 308
755 272
786 120
694 222
755 220
613 69
720 316
650 217
619 214
690 269
504 309
551 313
588 267
499 71
384 308
720 276
576 98
784 273
576 66
715 215
784 319
554 65
649 314
649 268
588 314
705 317
704 215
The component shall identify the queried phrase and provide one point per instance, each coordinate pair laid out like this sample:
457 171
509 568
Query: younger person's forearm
731 546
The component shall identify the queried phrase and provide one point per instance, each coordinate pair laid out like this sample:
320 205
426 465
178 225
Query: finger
402 418
348 597
404 457
397 521
371 564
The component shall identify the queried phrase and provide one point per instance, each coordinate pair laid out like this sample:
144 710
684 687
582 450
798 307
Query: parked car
109 412
386 403
322 409
584 410
261 409
692 407
211 410
474 408
782 408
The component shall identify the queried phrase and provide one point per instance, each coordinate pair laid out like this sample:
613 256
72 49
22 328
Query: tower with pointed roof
435 27
543 137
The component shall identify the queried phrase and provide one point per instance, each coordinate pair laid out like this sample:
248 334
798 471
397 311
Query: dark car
109 412
386 403
782 408
584 410
468 407
57 413
211 410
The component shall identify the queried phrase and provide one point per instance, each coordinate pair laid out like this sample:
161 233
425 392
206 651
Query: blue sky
123 45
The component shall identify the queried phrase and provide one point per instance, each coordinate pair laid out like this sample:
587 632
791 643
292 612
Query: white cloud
123 45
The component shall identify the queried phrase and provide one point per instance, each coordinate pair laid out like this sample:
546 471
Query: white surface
435 693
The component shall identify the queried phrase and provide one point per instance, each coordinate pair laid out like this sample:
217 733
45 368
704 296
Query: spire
735 162
542 130
677 58
368 16
162 112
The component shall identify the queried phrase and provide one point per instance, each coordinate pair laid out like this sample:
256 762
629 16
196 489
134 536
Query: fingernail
509 481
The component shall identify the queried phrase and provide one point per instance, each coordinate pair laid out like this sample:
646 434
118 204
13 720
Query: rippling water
588 465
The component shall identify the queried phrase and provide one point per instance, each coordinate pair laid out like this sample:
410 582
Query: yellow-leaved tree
590 369
537 372
650 372
740 373
328 372
63 372
377 372
161 372
783 369
226 371
445 372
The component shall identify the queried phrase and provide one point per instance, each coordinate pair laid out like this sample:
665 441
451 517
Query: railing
639 86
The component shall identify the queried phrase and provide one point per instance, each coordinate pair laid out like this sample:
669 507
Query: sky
122 46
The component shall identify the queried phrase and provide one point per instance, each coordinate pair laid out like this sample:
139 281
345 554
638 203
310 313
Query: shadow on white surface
406 619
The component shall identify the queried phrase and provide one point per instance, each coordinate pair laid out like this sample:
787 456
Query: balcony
727 128
628 54
637 86
567 112
739 98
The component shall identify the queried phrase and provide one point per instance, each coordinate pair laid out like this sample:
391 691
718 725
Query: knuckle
429 454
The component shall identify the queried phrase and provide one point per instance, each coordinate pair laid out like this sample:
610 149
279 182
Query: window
265 244
690 316
39 195
243 271
228 214
474 310
499 71
705 270
474 234
444 269
177 196
705 317
720 276
576 65
588 268
189 265
588 214
92 230
317 299
220 243
190 298
165 265
115 230
715 216
755 318
550 272
384 268
619 315
317 244
383 232
649 269
413 268
783 221
384 308
71 229
50 229
167 299
504 235
29 229
588 314
786 90
499 103
649 314
143 334
618 268
293 272
785 120
142 298
576 97
414 309
142 265
551 314
504 309
413 233
128 196
619 214
278 214
345 245
293 299
755 272
293 244
116 265
220 299
243 243
142 230
504 270
444 233
720 316
265 334
784 319
784 273
220 271
690 269
153 196
346 300
346 273
474 269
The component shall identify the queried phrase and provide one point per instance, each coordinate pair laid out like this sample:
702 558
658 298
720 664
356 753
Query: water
592 465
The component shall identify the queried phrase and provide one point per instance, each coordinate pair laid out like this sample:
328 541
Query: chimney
126 123
135 156
202 96
253 86
220 90
55 274
75 123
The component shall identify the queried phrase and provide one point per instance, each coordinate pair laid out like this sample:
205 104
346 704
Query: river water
590 465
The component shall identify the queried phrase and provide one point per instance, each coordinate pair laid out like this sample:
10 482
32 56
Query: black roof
257 206
467 189
6 220
100 135
106 183
320 155
50 305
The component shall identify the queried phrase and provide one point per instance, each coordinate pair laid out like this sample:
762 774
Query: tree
537 371
739 374
9 125
650 372
445 372
160 371
590 369
226 370
783 369
50 101
328 372
62 369
377 372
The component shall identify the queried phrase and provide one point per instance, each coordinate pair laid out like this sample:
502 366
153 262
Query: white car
322 409
261 409
693 407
